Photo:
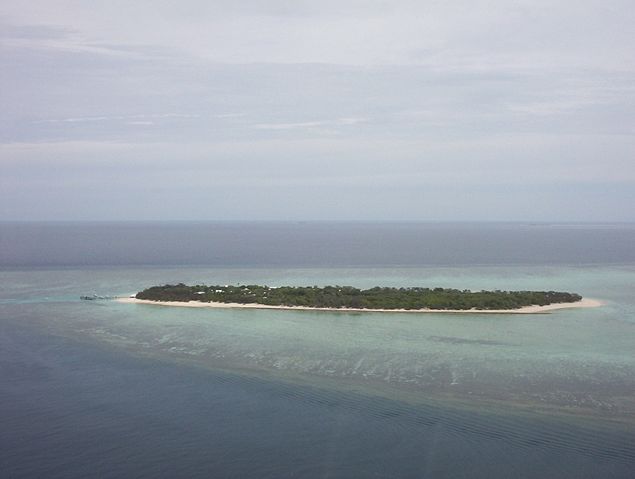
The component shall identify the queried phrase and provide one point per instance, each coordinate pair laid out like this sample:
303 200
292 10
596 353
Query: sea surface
104 389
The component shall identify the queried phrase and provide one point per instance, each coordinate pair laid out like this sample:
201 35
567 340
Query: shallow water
107 389
83 411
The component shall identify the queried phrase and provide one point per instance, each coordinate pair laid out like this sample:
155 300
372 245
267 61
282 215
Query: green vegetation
349 297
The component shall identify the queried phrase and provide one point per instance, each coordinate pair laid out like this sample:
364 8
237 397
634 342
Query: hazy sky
423 110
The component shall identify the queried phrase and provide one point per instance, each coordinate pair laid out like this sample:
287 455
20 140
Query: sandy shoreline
584 303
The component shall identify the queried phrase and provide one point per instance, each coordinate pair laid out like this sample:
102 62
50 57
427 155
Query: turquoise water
100 388
578 359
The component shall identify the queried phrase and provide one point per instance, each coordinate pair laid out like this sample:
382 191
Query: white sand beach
535 309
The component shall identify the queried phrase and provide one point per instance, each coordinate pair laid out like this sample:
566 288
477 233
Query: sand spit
583 303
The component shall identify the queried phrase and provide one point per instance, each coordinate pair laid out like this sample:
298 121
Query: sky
493 110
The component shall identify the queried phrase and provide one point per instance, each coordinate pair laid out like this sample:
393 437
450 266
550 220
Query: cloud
9 31
289 126
464 35
370 96
310 125
119 117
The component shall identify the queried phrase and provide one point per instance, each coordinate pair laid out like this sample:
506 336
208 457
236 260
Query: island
348 298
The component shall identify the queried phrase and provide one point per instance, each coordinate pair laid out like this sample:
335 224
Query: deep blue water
73 405
313 244
72 411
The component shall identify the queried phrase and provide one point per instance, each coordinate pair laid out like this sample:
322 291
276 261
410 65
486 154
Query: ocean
104 389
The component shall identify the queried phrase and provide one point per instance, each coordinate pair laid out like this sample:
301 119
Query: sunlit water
108 389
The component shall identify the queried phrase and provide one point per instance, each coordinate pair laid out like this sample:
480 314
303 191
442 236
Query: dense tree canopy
349 297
